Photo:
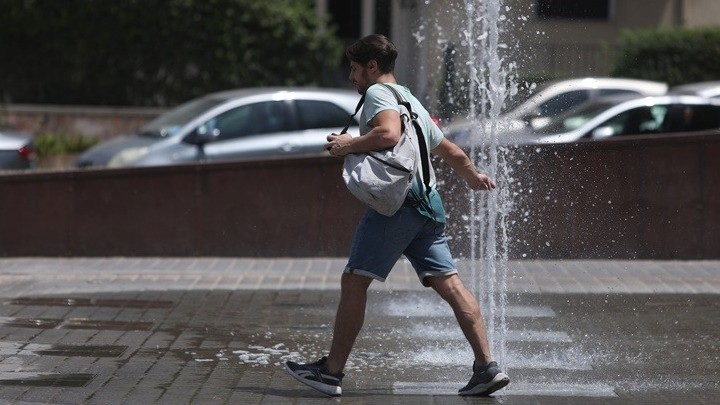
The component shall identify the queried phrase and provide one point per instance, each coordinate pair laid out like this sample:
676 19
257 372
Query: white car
610 117
620 116
701 89
554 98
243 124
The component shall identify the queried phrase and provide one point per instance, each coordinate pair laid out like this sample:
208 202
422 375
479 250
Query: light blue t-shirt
379 98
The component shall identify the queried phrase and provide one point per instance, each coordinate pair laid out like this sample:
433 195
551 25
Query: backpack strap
352 117
424 155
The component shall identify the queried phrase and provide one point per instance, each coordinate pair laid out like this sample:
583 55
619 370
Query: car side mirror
602 132
203 134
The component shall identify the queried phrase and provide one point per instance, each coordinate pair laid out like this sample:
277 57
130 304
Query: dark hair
376 47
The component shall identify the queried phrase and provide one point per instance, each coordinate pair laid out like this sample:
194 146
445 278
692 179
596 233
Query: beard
364 84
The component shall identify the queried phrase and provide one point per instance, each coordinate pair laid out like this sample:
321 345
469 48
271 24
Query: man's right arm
385 134
462 165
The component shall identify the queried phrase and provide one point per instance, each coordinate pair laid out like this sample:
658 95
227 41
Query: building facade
552 37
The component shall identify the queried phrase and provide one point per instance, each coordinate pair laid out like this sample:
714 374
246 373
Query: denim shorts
380 241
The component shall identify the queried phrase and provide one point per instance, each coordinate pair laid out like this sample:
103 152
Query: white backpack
382 179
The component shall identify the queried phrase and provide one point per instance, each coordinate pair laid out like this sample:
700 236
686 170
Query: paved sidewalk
55 275
215 330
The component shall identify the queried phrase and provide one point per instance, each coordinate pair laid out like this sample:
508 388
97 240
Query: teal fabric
378 98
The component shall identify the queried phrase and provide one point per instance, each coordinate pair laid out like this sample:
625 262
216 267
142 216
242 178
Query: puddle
29 323
48 380
75 350
520 389
78 323
253 355
91 302
453 332
74 323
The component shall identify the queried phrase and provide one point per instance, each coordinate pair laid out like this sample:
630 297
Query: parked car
556 97
701 89
17 151
233 125
615 116
618 116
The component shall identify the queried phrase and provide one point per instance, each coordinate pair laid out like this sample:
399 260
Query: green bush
51 144
158 52
674 56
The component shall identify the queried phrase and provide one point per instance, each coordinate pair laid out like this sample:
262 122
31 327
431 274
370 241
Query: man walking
416 230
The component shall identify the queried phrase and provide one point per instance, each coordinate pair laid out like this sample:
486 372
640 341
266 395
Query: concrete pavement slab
215 330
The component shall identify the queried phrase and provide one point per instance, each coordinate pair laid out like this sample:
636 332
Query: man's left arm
461 164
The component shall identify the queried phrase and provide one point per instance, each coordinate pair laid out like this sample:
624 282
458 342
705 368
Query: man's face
360 77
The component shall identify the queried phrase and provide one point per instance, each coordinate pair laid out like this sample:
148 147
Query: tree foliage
675 56
157 52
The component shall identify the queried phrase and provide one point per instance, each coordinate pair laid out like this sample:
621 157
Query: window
345 15
321 114
252 119
574 9
617 92
383 17
642 120
169 123
687 118
563 102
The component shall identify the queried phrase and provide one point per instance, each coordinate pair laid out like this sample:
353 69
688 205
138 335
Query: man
416 230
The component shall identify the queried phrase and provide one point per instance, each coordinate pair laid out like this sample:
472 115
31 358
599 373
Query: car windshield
573 119
524 92
170 122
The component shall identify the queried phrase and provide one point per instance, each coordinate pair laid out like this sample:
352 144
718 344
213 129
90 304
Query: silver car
233 125
556 97
610 117
17 151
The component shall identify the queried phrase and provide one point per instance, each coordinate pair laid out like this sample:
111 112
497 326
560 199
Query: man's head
370 58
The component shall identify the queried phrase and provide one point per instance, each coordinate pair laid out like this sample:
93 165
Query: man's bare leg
467 312
348 320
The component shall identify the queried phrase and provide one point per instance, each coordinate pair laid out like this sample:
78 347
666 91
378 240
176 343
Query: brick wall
630 198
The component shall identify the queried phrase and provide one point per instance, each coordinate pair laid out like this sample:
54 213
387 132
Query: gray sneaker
317 376
485 380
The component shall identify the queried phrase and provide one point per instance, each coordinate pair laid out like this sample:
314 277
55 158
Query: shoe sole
329 390
483 390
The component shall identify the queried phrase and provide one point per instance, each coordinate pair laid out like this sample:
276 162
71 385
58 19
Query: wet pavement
141 331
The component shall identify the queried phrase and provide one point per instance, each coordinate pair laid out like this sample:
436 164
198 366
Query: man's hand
459 161
339 145
480 182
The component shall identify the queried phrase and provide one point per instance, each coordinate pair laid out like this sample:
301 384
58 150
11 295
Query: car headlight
128 156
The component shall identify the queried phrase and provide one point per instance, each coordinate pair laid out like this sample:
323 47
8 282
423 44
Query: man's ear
372 65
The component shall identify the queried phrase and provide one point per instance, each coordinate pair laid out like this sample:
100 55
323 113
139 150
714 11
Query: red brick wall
655 199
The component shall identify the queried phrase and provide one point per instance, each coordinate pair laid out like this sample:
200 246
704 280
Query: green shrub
674 56
158 52
51 144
